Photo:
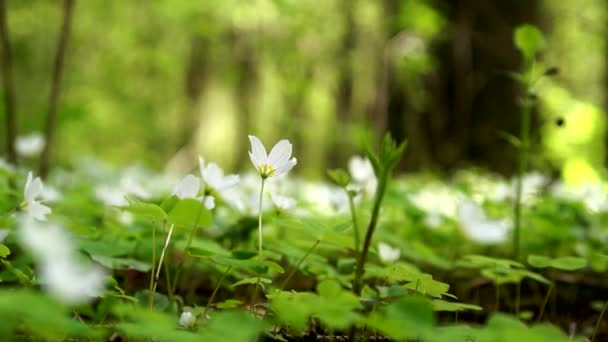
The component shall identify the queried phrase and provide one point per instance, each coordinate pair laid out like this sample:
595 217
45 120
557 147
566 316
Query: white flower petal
38 210
188 187
213 175
281 169
187 319
201 165
258 150
209 202
255 162
228 181
387 253
280 154
33 188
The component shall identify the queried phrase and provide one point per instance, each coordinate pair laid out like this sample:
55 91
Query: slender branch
215 292
353 213
544 306
599 320
357 285
58 67
152 272
160 262
8 85
293 270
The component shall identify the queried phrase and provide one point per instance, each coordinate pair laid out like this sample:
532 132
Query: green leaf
146 211
441 305
4 251
529 40
253 280
567 263
169 203
340 177
539 261
407 318
122 263
426 285
189 212
229 304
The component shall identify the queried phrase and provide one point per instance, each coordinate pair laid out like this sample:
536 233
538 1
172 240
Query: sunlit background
161 82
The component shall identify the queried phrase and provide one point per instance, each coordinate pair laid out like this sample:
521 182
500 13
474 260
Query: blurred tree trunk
471 101
8 87
195 80
344 91
247 73
58 67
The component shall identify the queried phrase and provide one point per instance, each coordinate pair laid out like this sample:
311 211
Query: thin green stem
219 284
254 297
357 285
353 213
260 220
151 296
544 306
293 270
599 320
160 262
524 150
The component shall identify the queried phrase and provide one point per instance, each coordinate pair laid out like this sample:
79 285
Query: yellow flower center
266 170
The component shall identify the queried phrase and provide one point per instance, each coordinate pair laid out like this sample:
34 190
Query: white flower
188 187
362 173
209 202
387 253
3 234
478 227
213 176
283 203
30 145
276 163
62 273
187 319
112 196
31 192
6 165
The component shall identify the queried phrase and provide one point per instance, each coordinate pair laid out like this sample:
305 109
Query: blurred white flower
213 176
62 273
594 195
6 165
125 217
278 162
437 201
388 253
51 194
362 173
30 145
283 203
187 319
3 234
112 196
209 202
32 191
479 228
188 187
